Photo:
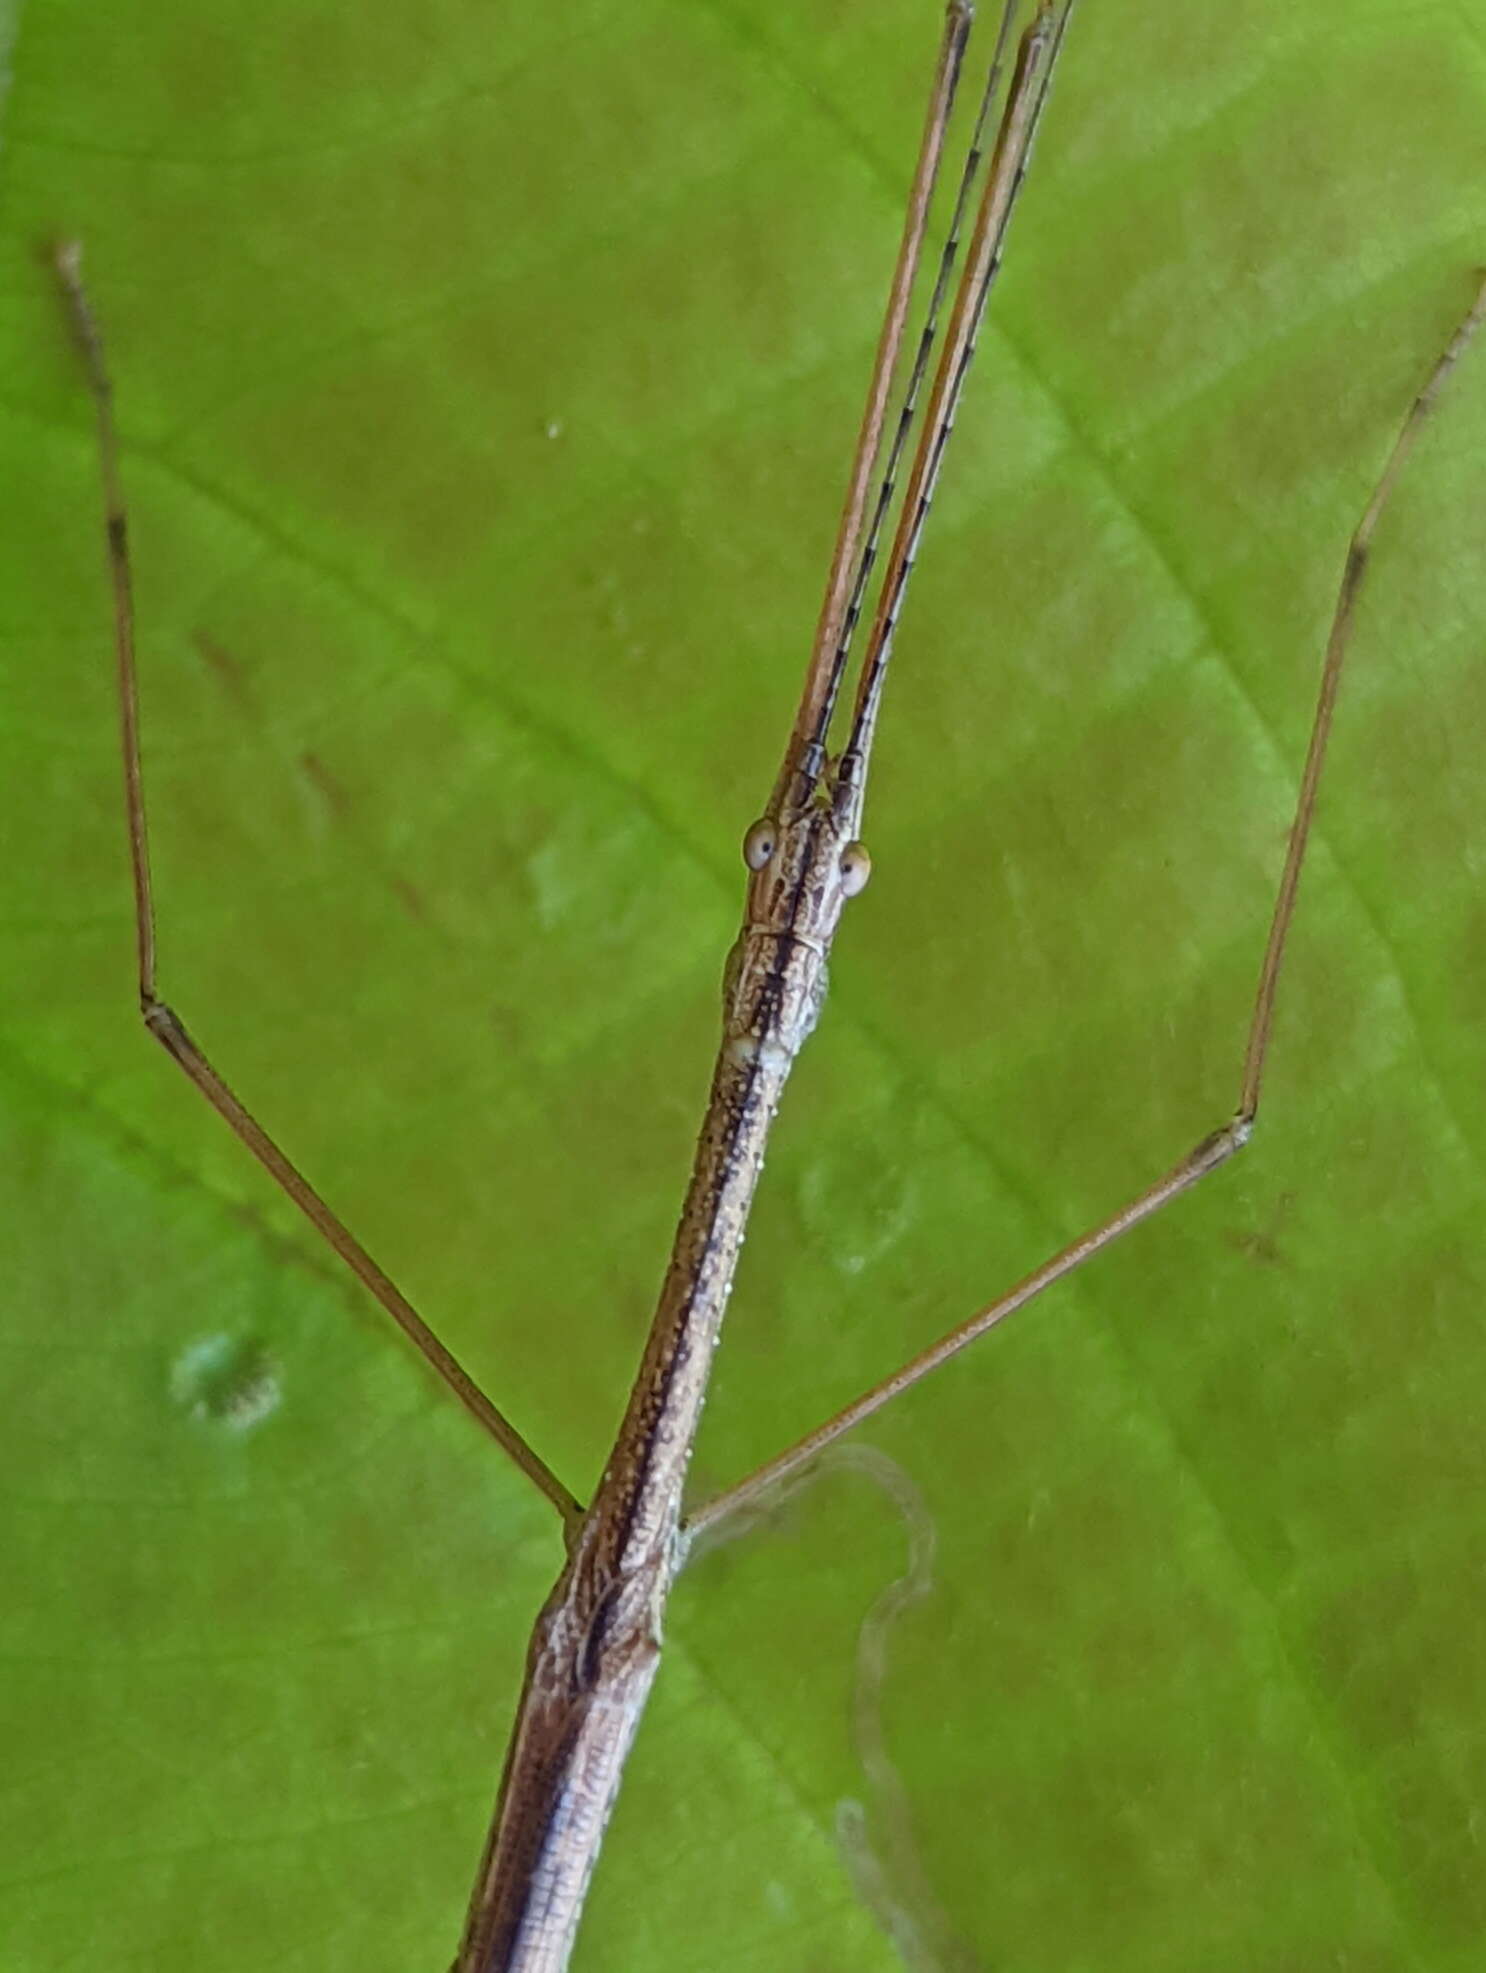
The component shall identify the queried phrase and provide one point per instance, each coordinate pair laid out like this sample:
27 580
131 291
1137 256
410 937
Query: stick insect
805 859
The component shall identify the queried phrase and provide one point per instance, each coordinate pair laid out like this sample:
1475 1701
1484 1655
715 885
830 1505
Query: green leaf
486 377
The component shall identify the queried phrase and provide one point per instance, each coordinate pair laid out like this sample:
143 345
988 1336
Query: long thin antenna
888 483
1027 95
804 755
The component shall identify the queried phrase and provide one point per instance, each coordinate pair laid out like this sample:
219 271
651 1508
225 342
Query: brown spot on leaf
1261 1244
229 671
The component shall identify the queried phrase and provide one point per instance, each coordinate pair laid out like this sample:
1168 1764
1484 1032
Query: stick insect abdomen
597 1643
593 1656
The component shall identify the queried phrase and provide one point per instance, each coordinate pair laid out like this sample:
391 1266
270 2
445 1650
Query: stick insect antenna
1036 60
887 485
804 756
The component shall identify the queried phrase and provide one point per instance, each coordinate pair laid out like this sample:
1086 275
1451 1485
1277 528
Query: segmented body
597 1643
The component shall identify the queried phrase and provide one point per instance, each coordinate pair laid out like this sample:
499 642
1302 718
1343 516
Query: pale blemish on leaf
857 1204
876 1836
226 1380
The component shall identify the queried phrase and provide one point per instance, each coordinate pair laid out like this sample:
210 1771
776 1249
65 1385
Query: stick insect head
805 863
803 867
804 852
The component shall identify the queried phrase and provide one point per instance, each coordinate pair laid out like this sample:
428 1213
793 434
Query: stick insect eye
856 868
760 843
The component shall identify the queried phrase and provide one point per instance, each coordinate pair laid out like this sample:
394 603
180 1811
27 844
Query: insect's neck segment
810 778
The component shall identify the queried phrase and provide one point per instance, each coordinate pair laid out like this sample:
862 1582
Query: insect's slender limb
1353 572
1219 1147
160 1019
1207 1156
804 756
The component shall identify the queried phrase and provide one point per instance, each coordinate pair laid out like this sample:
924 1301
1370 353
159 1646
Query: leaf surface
486 378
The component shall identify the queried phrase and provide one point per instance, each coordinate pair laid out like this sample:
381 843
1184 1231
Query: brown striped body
597 1643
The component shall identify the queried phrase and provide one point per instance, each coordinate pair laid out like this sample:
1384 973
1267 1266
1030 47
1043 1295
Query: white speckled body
597 1643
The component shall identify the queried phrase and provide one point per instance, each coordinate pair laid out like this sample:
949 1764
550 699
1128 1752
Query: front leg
1219 1146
